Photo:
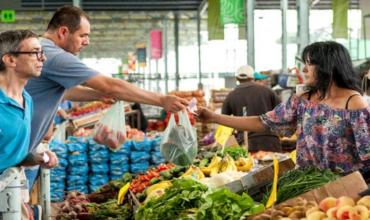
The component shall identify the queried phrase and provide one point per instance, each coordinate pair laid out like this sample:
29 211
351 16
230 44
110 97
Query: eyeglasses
39 54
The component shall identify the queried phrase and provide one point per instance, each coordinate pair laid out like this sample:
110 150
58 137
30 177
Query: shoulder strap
349 98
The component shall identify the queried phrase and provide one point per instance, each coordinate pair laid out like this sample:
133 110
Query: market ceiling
118 26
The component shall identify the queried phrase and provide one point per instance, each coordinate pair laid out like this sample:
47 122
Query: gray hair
11 40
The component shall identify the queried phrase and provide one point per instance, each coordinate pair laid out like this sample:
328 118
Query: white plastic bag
60 133
111 128
179 142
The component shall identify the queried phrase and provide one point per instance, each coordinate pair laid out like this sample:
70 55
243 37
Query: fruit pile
227 163
89 108
330 208
341 208
188 95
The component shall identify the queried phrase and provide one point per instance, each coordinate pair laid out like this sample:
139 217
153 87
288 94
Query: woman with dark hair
332 119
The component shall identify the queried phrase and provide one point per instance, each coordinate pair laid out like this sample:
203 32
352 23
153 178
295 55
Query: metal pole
165 44
176 29
365 37
250 32
200 85
157 76
149 66
284 35
303 33
77 3
44 193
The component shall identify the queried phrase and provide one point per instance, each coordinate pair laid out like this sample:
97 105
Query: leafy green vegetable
110 210
223 204
187 199
299 181
166 174
184 194
235 152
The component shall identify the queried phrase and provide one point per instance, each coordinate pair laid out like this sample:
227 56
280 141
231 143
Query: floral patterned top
337 139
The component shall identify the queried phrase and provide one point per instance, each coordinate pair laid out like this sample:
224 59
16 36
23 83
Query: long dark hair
333 64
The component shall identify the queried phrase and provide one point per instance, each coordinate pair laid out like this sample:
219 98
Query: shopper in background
21 59
262 79
248 99
66 35
332 119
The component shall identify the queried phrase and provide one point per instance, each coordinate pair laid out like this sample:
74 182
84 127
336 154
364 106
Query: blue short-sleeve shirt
15 129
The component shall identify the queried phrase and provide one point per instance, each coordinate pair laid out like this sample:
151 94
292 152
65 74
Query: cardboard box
350 185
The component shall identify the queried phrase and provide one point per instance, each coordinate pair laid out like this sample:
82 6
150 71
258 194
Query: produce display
189 199
299 181
286 212
75 204
104 134
188 95
330 208
144 186
89 108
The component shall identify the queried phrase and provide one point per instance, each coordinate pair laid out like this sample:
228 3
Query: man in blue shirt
21 60
66 35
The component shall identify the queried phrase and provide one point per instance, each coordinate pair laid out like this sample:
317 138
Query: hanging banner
232 11
156 44
340 18
215 28
141 56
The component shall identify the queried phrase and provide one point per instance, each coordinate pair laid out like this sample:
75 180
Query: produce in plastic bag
60 133
179 143
110 130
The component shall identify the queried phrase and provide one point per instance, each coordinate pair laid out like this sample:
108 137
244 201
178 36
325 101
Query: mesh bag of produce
139 167
99 168
179 142
118 159
111 128
96 181
124 149
77 147
59 148
57 174
78 170
144 145
156 143
156 158
139 156
98 153
118 170
62 162
77 159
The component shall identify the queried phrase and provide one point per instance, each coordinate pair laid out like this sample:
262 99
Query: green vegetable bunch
188 199
110 210
235 152
223 204
183 195
299 181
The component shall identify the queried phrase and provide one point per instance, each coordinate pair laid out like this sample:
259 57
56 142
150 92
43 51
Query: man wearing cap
250 98
261 79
